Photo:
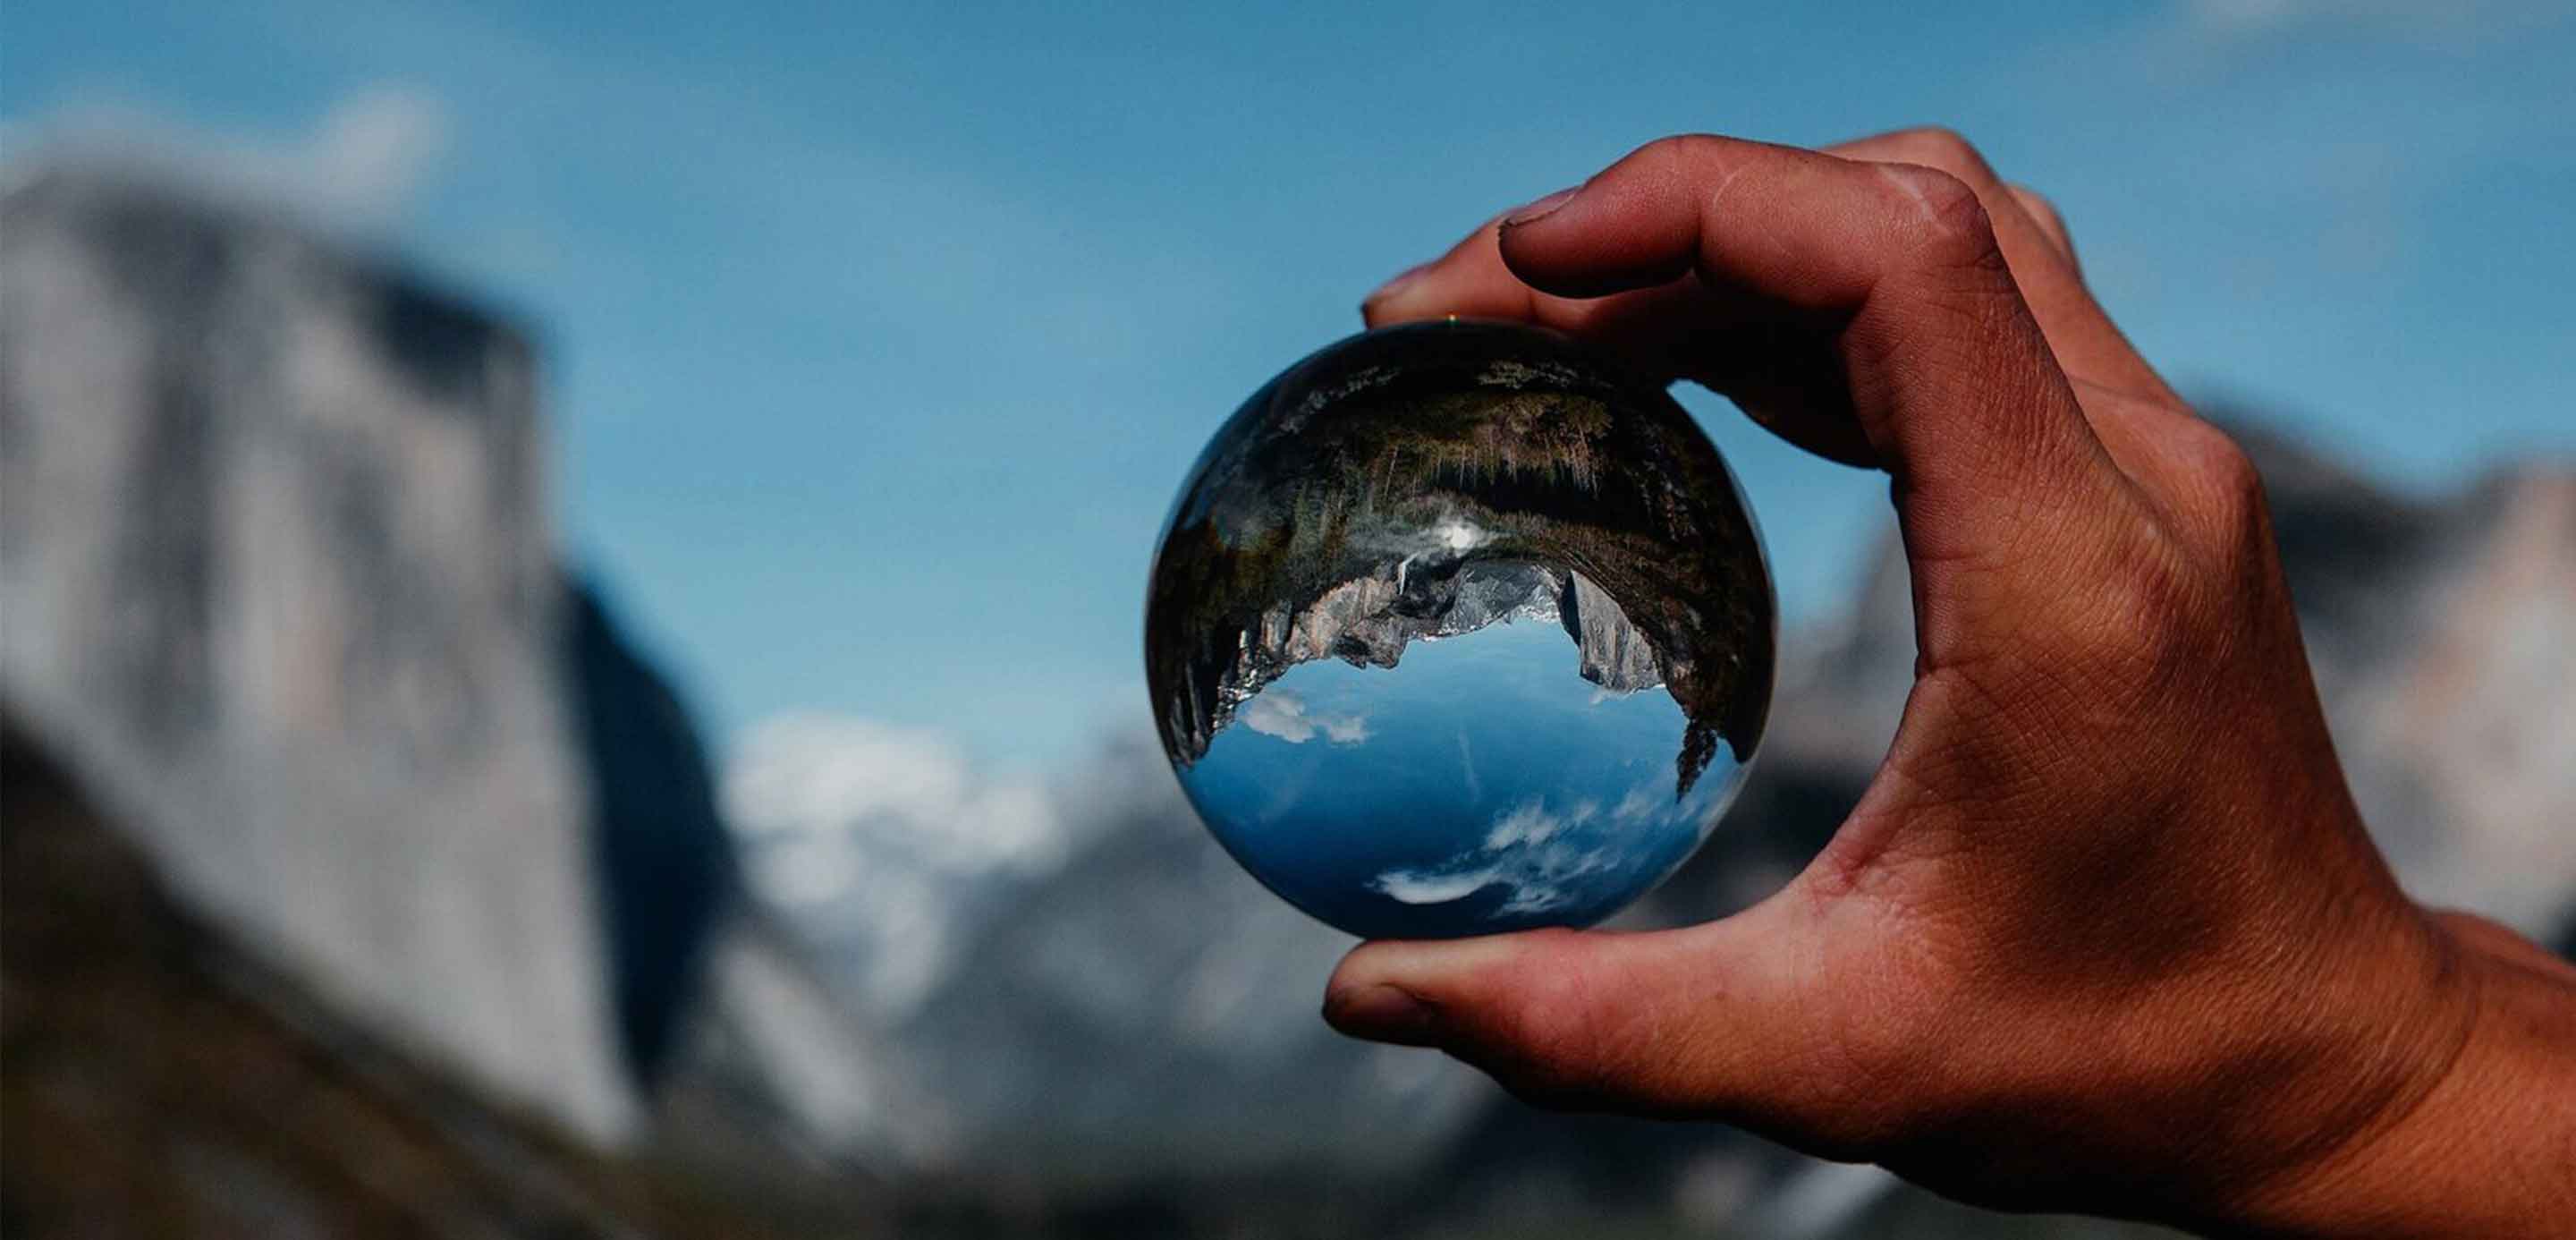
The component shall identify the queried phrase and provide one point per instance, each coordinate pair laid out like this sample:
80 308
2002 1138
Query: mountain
162 1081
283 598
1368 621
1128 1028
663 859
1420 481
2445 651
367 878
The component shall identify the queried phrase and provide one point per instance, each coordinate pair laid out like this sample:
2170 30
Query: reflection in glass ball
1455 630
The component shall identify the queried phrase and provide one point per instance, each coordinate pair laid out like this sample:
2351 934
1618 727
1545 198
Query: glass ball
1456 629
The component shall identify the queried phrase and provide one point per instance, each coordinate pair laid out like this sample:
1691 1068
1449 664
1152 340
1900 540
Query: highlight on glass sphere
1455 629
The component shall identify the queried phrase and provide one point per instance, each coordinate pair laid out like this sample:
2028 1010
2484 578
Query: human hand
2105 933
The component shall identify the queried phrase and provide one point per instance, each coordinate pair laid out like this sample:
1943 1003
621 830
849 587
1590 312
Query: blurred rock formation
665 864
162 1082
1136 1024
283 595
366 880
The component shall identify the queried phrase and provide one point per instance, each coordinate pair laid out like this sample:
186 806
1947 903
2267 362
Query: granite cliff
365 878
1368 621
1129 1032
1406 484
284 600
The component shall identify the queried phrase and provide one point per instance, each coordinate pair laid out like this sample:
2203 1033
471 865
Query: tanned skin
2105 934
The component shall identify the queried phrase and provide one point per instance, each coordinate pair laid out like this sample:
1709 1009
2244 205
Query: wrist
2478 1136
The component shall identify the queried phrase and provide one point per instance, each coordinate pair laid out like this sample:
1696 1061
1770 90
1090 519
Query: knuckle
1543 1043
2129 623
2227 476
1683 157
1674 151
2217 494
2041 207
2146 621
1948 220
1942 148
2151 592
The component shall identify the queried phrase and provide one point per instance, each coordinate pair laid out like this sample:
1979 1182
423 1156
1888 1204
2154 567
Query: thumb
1698 1021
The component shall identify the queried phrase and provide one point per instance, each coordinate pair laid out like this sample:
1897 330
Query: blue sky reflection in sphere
1454 630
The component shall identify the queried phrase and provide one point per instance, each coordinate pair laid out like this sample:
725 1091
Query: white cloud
1527 823
1434 886
374 150
1525 850
1641 802
1545 890
1282 714
358 168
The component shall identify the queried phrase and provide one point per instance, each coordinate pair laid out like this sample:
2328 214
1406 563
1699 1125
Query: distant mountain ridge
283 595
2446 654
1368 621
1352 501
294 663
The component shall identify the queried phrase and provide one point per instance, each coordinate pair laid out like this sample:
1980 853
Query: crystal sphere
1456 629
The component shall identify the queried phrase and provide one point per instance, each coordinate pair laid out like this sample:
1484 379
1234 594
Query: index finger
2087 343
1950 378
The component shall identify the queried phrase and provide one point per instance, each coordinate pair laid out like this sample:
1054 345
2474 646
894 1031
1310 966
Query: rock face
663 859
1133 1023
1368 621
1397 484
282 596
1147 1006
2445 650
1615 655
163 1082
773 1081
336 812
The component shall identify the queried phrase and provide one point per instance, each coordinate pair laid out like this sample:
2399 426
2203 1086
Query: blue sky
879 335
1488 786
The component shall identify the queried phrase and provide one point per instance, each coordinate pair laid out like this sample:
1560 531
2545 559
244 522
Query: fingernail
1540 209
1382 1013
